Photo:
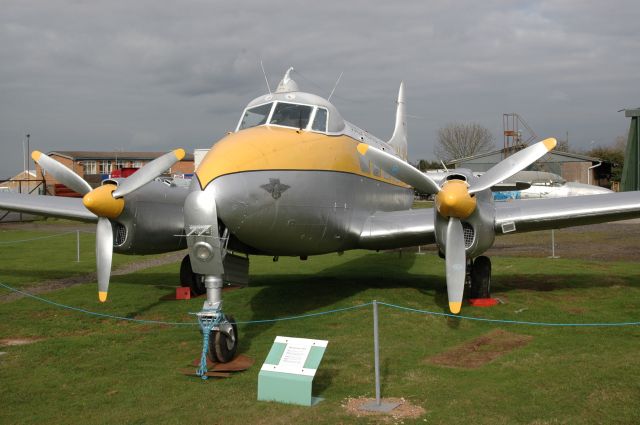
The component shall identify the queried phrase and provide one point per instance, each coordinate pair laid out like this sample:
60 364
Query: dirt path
55 284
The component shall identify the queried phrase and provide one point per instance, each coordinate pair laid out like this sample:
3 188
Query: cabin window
291 115
255 116
320 120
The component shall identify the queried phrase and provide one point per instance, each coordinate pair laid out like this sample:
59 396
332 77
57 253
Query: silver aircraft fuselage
288 192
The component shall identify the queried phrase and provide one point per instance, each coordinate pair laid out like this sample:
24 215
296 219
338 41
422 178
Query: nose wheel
223 343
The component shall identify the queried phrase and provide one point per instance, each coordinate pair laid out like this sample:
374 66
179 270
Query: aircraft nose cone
454 200
100 202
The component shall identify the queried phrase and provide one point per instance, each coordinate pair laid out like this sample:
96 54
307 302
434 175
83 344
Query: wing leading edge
398 229
50 206
540 214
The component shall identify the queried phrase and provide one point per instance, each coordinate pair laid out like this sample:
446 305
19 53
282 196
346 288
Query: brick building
97 166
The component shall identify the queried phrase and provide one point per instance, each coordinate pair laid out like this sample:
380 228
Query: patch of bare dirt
405 410
9 342
482 350
55 284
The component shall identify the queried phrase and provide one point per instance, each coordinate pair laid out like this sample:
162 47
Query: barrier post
377 406
77 246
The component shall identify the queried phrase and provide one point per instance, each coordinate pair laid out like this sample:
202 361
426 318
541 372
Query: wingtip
35 155
180 154
363 148
550 143
455 307
102 296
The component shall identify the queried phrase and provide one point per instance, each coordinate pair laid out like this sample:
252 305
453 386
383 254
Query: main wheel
481 278
222 348
189 279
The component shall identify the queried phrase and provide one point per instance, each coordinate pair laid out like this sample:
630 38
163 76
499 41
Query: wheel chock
183 293
483 302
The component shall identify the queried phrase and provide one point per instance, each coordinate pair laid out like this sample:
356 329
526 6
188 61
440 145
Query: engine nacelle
152 220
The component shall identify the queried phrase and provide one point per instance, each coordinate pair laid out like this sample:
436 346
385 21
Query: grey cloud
147 74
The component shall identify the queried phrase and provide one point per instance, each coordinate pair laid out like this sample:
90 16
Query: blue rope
93 313
36 239
511 322
158 322
322 313
207 323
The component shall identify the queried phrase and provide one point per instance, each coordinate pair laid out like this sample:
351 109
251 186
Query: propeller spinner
455 200
106 202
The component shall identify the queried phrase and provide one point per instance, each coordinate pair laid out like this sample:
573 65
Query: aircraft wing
540 214
397 229
50 206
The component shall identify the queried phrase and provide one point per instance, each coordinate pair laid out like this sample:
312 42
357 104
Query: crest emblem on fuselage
275 188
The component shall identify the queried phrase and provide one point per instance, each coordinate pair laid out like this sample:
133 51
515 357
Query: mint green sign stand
287 373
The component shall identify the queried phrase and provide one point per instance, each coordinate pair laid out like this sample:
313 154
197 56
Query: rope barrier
36 239
322 313
510 322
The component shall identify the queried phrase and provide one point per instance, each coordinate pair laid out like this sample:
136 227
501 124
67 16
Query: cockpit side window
255 116
291 115
320 120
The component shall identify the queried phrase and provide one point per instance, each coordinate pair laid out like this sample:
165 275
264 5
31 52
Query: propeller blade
149 172
512 164
61 173
456 264
104 253
399 169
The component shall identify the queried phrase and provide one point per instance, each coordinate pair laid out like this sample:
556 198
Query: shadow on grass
291 295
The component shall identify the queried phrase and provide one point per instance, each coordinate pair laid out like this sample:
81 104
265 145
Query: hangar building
570 166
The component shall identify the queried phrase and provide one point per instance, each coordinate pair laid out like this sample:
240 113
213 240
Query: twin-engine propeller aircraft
296 179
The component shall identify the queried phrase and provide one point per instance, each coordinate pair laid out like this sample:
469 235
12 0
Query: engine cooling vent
469 234
120 235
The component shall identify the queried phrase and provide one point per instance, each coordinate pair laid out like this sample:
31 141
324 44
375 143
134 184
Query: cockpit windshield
285 114
255 116
291 115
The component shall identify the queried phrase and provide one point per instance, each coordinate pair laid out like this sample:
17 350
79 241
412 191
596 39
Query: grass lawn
36 256
88 370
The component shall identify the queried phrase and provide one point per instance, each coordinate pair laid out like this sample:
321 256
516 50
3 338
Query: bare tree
460 140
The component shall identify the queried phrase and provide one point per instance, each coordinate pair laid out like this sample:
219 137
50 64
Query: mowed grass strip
90 370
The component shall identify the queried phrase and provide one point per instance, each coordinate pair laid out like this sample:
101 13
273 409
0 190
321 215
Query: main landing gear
479 277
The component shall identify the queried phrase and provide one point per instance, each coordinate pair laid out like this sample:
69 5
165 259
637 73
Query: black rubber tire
221 348
190 279
481 278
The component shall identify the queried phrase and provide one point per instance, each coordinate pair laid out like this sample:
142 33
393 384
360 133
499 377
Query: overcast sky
155 75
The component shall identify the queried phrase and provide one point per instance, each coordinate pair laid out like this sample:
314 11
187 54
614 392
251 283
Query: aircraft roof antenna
445 167
334 87
265 77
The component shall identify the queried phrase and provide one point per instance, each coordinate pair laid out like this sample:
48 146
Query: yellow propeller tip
363 148
455 307
102 296
180 154
36 155
550 143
